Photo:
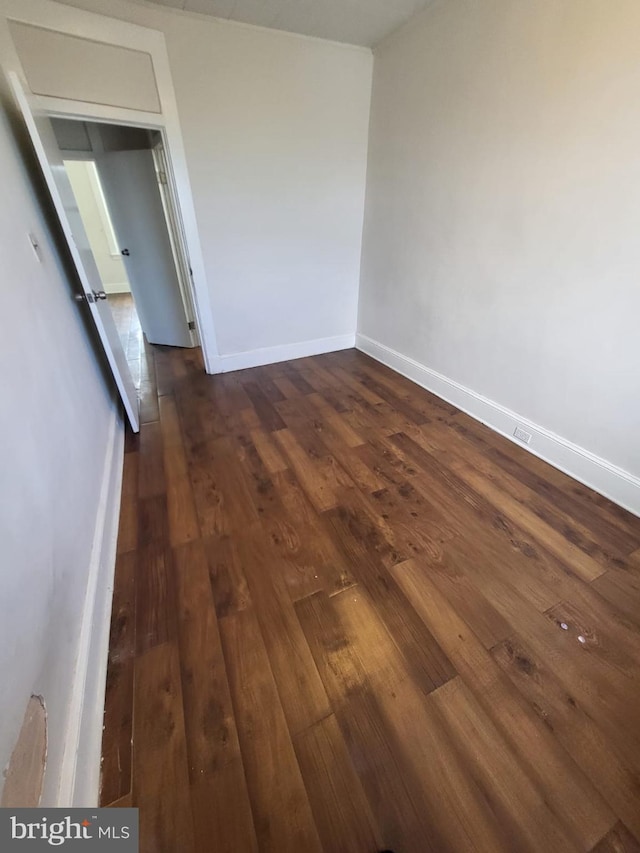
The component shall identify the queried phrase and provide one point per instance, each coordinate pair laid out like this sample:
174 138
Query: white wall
503 207
275 131
55 419
93 212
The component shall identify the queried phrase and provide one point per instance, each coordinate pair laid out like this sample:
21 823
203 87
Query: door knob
93 296
125 252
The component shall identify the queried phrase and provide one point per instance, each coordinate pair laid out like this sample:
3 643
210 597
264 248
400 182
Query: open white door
50 158
130 186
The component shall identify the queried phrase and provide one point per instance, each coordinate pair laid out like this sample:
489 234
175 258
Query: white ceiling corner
359 22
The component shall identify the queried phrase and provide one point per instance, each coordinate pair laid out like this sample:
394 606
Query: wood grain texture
539 753
151 465
453 805
347 617
128 530
160 769
223 820
387 778
181 510
504 778
210 730
618 840
279 803
155 608
554 772
608 767
341 810
303 697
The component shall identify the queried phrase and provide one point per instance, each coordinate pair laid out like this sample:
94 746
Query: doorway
118 175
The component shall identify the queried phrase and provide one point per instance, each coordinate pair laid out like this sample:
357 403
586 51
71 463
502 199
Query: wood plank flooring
348 617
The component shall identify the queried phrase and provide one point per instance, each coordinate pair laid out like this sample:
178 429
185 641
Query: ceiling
363 22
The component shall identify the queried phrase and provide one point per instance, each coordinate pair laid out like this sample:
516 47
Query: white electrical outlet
522 435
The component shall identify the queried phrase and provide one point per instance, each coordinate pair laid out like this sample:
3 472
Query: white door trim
78 22
175 229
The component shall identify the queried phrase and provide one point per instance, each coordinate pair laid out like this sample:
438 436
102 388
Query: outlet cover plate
522 435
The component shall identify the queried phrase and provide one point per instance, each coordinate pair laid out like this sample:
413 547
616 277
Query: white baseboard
609 480
80 774
285 352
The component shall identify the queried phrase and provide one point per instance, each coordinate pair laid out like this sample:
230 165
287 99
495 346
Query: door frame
173 220
89 25
175 227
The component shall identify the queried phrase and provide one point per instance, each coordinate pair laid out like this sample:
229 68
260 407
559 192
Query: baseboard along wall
599 474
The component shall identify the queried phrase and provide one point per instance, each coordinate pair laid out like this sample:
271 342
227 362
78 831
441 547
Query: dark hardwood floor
349 617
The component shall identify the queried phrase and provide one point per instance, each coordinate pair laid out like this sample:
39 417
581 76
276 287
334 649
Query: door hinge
162 177
191 324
